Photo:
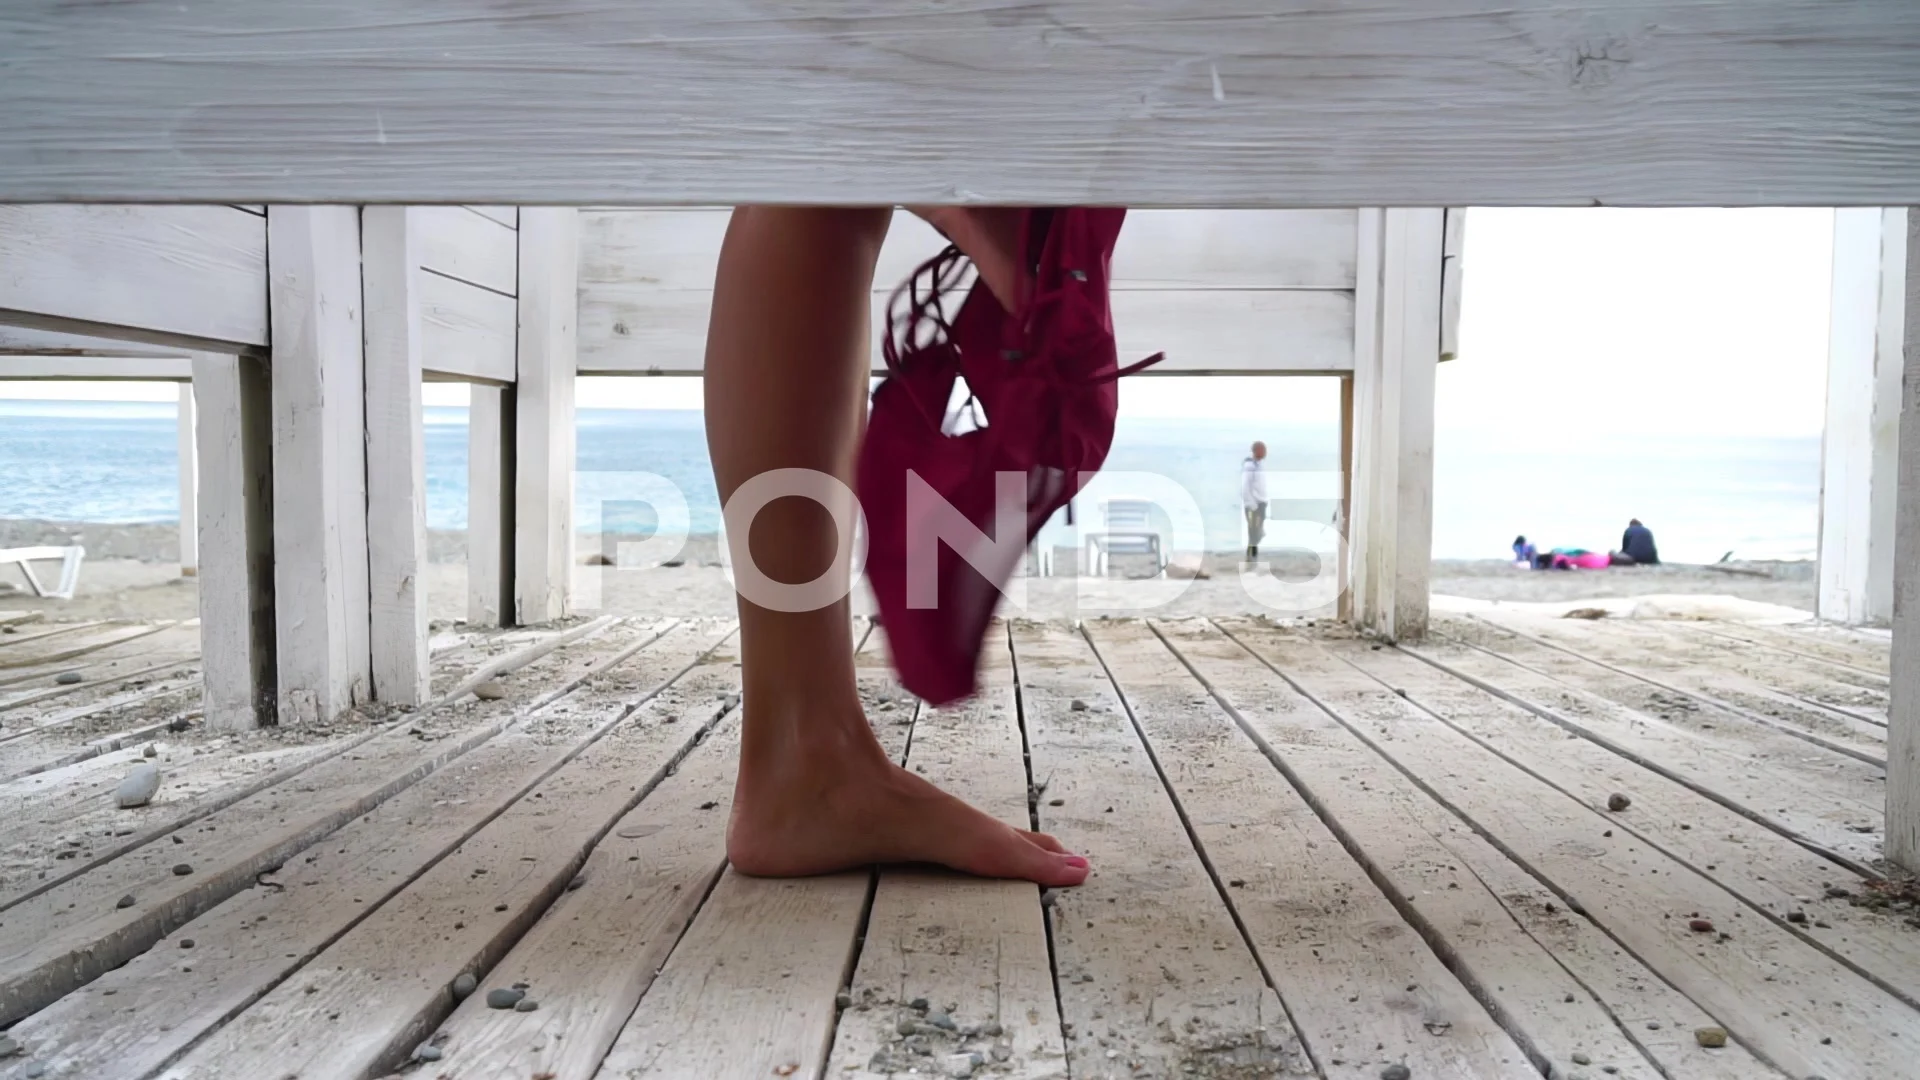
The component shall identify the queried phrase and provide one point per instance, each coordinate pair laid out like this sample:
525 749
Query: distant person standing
1253 497
1637 544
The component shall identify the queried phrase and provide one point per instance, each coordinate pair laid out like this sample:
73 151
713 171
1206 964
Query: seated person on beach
1572 559
1637 544
1523 552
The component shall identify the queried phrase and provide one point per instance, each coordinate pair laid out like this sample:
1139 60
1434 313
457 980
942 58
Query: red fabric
1043 379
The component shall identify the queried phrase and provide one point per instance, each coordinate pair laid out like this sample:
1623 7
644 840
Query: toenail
1078 862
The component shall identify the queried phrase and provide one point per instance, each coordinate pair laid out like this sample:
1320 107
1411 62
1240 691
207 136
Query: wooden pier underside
1313 856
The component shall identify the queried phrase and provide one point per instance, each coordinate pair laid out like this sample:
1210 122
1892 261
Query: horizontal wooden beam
23 341
467 333
134 368
1138 102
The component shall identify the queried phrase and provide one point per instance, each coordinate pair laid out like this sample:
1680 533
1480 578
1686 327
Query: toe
1014 855
1044 841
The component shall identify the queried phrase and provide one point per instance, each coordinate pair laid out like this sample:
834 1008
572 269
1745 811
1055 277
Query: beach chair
1128 531
69 557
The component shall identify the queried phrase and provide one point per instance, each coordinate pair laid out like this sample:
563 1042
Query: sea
638 470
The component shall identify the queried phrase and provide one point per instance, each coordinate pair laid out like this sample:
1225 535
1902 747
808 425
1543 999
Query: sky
1704 322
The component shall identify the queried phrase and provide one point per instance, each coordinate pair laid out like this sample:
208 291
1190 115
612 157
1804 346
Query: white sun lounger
70 558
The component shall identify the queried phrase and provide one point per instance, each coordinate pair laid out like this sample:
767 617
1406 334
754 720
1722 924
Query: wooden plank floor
1313 855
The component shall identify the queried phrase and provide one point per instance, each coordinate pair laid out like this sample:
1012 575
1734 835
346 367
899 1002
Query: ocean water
1759 498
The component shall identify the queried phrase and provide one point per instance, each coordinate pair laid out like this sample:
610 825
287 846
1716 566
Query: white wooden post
1397 331
234 434
189 483
490 472
319 461
396 455
1903 713
543 436
1859 451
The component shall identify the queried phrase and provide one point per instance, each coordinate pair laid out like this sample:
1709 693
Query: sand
132 572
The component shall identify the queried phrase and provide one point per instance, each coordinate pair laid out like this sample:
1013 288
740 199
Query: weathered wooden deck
1313 856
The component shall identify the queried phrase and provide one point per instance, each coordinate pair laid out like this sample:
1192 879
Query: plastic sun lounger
70 559
1129 531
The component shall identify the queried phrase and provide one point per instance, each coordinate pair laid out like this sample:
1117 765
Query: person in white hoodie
1253 497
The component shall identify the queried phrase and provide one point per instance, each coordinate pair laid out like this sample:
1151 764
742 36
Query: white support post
189 483
319 461
1903 712
396 455
544 435
490 472
1397 340
1859 451
234 434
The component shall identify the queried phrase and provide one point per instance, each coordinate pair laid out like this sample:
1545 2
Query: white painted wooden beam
23 341
188 469
392 243
193 277
469 332
1135 102
544 412
1860 448
319 462
1903 714
234 436
1397 352
490 504
95 368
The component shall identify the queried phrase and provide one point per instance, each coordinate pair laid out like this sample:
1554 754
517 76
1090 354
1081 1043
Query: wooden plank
18 639
70 929
19 341
320 593
1361 985
71 652
1559 985
459 243
235 524
543 420
1396 355
975 944
188 477
774 952
393 243
1787 668
97 368
1903 711
1822 803
1772 876
185 275
1204 102
466 332
264 936
635 330
499 215
1859 452
490 482
1824 649
1452 281
1150 966
1789 1003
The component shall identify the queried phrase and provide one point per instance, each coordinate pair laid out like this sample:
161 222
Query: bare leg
785 388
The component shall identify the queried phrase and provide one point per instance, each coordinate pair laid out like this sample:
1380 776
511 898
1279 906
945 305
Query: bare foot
807 813
990 236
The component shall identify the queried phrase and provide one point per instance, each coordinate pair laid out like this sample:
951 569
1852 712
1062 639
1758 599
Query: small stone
1396 1072
126 901
1056 802
1700 926
1077 705
918 1004
139 787
150 751
464 985
907 1026
942 1021
578 880
1798 918
8 1047
1582 1059
1001 1052
182 869
525 1005
1713 1038
67 678
36 1070
958 1066
842 1000
992 1029
186 943
1617 802
1835 892
490 691
427 1052
179 724
504 998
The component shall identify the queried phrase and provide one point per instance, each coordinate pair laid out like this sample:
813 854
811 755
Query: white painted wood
1903 714
636 330
118 368
187 470
471 247
234 432
1145 102
543 421
499 215
467 332
319 463
188 275
393 241
1860 447
1397 350
24 341
490 447
1452 281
